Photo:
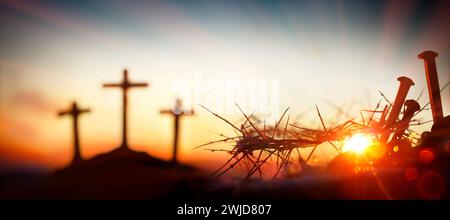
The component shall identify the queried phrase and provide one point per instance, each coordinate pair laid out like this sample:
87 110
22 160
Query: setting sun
357 143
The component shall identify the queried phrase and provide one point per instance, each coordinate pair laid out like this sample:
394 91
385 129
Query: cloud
34 101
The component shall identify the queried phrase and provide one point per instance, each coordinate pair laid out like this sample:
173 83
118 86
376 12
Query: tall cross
176 112
74 111
124 85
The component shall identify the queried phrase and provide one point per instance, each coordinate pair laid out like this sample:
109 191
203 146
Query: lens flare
357 143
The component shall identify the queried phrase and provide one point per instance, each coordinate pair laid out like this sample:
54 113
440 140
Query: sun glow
357 143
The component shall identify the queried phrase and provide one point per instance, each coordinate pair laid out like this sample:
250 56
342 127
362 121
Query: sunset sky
344 52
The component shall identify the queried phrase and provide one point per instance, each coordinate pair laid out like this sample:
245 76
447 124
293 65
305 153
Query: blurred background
319 52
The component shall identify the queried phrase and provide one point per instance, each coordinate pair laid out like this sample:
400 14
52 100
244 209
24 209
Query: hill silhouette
119 174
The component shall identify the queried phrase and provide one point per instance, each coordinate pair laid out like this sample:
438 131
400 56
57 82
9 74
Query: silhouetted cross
124 85
177 112
75 112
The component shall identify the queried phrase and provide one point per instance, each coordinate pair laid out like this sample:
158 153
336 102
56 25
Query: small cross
74 111
177 111
124 85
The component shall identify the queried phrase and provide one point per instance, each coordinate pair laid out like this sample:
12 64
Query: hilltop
119 174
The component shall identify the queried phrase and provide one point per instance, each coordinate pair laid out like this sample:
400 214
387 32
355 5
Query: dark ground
125 174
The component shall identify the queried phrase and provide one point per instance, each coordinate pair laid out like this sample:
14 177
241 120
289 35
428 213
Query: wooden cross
74 111
124 85
176 112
